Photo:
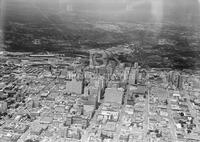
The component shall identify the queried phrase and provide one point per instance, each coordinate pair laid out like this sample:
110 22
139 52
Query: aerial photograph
99 70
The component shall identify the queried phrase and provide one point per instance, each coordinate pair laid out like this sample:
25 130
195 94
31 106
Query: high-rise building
74 86
136 75
136 65
133 77
126 72
180 82
114 95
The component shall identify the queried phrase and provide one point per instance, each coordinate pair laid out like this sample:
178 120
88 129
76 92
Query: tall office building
114 95
136 65
74 86
134 74
180 82
175 79
126 72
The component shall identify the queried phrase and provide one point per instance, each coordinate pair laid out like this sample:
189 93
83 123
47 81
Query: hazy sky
1 12
2 5
176 10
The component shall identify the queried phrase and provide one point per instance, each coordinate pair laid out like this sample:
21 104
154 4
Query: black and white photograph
99 70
